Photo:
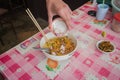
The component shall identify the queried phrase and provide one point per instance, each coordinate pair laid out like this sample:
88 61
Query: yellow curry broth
60 45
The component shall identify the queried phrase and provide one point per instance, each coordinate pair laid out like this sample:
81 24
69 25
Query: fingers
67 20
65 14
60 8
50 15
68 16
50 20
69 10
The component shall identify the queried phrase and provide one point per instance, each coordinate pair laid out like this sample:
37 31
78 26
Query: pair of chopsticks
36 23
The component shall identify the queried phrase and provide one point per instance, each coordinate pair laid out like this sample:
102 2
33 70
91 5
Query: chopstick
36 23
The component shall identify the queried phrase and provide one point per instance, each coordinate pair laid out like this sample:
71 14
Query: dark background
38 7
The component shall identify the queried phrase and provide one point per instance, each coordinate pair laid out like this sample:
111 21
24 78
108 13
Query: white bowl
97 45
55 57
59 26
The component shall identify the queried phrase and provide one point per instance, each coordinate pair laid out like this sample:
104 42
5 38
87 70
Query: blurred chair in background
3 21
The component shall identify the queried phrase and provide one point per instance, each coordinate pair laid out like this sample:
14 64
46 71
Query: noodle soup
60 45
61 48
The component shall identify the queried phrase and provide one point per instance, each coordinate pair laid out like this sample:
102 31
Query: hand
58 7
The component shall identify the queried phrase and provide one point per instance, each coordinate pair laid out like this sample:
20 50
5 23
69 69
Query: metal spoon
47 50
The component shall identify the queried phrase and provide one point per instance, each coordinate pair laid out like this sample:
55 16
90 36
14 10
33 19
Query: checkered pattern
86 63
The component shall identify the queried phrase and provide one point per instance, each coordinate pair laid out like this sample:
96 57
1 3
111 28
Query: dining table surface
24 62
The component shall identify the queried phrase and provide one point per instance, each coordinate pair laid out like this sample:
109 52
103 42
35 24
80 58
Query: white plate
102 50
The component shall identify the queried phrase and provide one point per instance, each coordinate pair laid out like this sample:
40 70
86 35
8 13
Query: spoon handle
43 49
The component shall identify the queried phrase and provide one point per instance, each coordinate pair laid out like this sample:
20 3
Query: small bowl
55 57
104 48
59 26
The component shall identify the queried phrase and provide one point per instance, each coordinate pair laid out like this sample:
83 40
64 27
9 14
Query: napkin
99 24
27 45
53 71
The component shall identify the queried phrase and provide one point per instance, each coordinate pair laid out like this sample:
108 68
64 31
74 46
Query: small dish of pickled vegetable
105 46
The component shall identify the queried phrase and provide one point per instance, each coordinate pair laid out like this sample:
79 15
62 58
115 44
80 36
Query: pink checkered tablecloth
23 62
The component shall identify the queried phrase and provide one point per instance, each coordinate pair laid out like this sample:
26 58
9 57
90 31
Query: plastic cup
102 10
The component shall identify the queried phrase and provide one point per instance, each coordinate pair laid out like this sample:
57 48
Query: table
22 62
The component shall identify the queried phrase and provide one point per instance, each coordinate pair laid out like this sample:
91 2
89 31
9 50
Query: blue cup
102 10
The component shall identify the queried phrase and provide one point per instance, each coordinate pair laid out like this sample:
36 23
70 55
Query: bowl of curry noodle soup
61 48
